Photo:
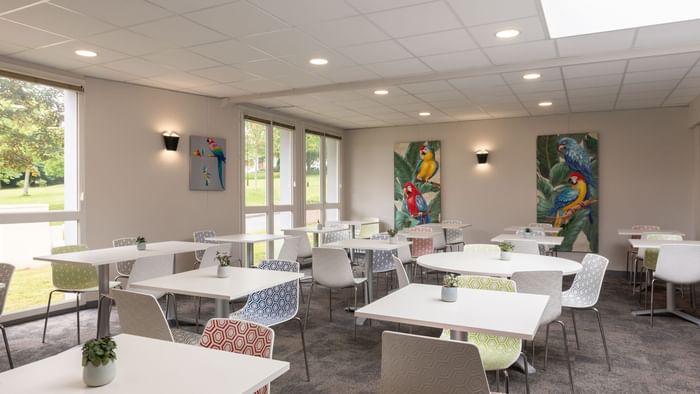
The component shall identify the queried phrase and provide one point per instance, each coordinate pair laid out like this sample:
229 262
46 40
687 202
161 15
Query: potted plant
449 288
392 234
224 269
99 365
140 243
506 250
528 232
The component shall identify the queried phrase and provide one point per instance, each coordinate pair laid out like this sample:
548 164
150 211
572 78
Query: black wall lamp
482 156
171 140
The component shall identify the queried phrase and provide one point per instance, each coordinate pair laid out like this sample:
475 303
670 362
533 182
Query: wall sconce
482 156
171 140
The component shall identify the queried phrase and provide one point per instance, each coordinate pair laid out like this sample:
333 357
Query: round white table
490 265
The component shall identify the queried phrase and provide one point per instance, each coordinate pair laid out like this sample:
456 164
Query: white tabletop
356 222
417 235
656 243
547 230
546 240
204 282
485 311
245 238
147 365
125 253
483 264
370 244
454 226
310 229
633 232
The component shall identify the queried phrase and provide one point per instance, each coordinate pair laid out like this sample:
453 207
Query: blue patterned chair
275 305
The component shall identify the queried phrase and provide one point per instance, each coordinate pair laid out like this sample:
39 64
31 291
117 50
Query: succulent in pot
224 269
506 250
141 242
319 226
392 234
449 290
99 361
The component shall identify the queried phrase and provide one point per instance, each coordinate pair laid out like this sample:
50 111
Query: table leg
103 307
250 254
315 240
670 307
222 308
352 235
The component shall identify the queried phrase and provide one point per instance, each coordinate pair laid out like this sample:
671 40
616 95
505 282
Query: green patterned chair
72 278
498 353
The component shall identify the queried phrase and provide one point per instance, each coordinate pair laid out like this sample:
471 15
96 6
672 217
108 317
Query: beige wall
646 171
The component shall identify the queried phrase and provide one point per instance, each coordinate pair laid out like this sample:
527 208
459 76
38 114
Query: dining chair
367 230
72 278
140 314
303 247
401 275
404 253
240 337
331 269
423 246
154 267
650 257
632 252
6 271
548 283
289 249
335 236
275 305
489 250
382 261
454 237
498 353
528 246
201 236
209 260
585 292
124 267
677 264
420 364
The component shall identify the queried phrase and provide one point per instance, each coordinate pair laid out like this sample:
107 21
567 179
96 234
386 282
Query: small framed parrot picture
567 188
207 163
417 187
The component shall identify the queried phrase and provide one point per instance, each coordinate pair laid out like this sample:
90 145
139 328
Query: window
39 205
268 181
323 185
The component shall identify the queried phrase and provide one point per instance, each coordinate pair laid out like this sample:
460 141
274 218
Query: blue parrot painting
569 197
577 159
218 153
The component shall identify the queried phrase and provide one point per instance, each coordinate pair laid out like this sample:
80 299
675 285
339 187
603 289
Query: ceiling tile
182 6
8 48
105 73
638 104
546 74
687 91
120 13
59 20
521 53
271 68
418 19
479 12
181 59
669 35
594 107
605 99
537 86
441 96
348 31
27 36
376 52
138 67
595 43
679 100
427 87
457 60
67 50
594 81
647 86
38 56
237 19
260 85
178 30
398 68
347 74
436 43
551 95
219 90
302 79
588 70
661 62
693 82
301 12
335 61
490 96
7 5
287 42
656 75
128 42
588 92
486 81
530 30
229 52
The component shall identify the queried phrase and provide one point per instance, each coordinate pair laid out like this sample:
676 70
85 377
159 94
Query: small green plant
223 259
450 280
506 246
392 232
99 351
140 239
528 230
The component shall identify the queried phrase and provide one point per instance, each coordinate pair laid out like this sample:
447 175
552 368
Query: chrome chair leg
573 318
566 353
303 346
46 318
651 304
330 304
527 381
77 314
308 304
177 320
546 347
7 346
505 374
197 314
602 334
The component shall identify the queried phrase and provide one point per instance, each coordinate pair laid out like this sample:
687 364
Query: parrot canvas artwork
207 163
417 187
567 188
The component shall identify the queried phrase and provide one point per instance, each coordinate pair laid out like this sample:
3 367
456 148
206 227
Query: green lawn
30 287
255 196
52 195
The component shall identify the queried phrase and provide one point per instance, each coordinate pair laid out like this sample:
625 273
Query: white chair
124 267
331 269
528 246
140 314
677 264
640 253
208 259
547 283
289 249
6 271
632 252
154 267
454 237
303 247
404 253
368 230
342 234
201 236
401 275
419 364
584 293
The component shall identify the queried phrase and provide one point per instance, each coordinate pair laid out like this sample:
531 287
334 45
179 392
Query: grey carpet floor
662 359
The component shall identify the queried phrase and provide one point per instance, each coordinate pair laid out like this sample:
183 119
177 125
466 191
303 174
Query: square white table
315 231
547 230
546 240
204 283
146 365
102 258
248 239
485 311
656 243
353 224
637 233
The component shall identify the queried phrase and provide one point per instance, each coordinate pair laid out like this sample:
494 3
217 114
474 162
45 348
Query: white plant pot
392 240
319 226
223 271
506 255
141 246
99 376
449 294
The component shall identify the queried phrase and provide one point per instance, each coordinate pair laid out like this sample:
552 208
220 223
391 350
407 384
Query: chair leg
7 346
573 318
692 297
77 314
566 353
177 320
527 381
505 373
303 346
308 304
354 320
197 314
330 304
651 304
546 347
602 335
46 318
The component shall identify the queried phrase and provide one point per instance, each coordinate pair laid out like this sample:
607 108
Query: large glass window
323 185
255 163
313 168
38 184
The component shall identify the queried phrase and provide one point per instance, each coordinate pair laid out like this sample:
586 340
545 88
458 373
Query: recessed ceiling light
424 114
319 61
509 33
381 92
545 104
531 76
85 53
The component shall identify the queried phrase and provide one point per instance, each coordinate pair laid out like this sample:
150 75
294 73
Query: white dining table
546 240
491 265
656 243
416 234
475 310
249 240
547 230
146 365
353 224
102 258
316 231
204 283
638 233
